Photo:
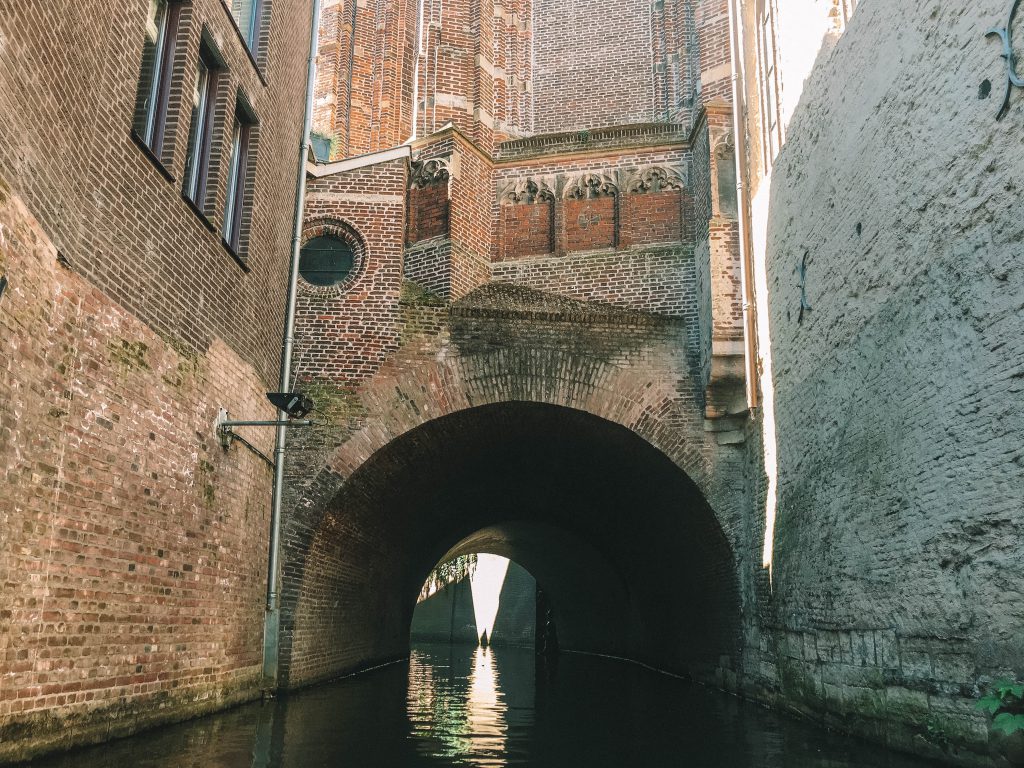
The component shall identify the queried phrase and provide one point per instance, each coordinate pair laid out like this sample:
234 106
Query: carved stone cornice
588 186
655 178
428 172
528 190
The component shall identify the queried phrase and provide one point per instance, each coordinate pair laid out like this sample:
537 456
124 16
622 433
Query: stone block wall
896 395
446 616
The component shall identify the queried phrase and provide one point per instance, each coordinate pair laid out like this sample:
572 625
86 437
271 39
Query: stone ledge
508 300
615 137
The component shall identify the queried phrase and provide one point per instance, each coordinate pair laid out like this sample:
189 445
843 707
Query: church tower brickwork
565 146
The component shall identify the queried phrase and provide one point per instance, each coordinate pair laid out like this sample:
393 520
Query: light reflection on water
463 715
493 708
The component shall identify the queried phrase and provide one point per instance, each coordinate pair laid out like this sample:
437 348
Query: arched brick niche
429 200
526 221
652 208
590 213
619 535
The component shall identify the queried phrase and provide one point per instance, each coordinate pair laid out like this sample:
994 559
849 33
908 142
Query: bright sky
486 583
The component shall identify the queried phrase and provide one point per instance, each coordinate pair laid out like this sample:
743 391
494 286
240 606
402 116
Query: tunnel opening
624 544
480 599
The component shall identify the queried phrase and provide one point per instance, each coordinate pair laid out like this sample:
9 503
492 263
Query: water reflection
463 706
458 710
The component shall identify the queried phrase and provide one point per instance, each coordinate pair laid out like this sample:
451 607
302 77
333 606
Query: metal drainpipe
743 209
272 618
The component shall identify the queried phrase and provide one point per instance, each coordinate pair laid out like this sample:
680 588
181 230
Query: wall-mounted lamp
294 404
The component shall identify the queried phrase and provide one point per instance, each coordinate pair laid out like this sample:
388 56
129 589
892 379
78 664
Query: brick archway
606 375
558 490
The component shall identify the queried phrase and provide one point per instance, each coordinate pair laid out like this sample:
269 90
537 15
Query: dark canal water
460 706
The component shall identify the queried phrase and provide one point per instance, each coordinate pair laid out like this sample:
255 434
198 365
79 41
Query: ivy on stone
1005 702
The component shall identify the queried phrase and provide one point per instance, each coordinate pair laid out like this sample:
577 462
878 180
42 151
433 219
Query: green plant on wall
1005 703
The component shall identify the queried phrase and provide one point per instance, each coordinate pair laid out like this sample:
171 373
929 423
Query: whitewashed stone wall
898 572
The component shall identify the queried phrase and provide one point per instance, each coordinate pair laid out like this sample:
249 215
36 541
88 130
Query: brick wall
67 152
603 225
348 330
428 211
346 605
654 217
587 76
514 68
711 19
527 229
472 225
595 231
428 264
134 558
363 91
134 568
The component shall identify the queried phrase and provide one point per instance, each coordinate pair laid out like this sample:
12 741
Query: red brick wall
527 229
472 223
428 211
501 343
714 45
331 94
134 556
346 331
114 215
494 75
589 224
592 64
513 62
632 198
363 92
656 217
133 570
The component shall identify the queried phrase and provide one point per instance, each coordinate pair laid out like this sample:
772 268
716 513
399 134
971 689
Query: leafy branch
454 570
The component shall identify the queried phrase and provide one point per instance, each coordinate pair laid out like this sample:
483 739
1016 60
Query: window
154 88
197 162
326 260
238 174
249 17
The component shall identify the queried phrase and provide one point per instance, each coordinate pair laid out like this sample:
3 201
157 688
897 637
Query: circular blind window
326 261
